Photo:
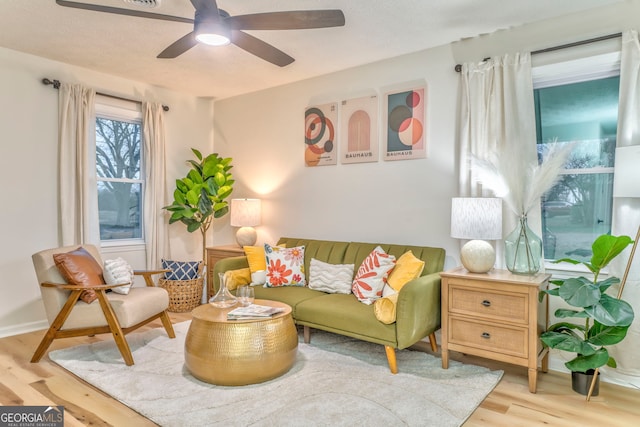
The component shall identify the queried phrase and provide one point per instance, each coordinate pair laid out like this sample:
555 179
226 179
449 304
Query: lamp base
246 236
478 256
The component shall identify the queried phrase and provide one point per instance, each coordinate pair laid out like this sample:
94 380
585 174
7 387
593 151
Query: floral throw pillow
285 266
372 276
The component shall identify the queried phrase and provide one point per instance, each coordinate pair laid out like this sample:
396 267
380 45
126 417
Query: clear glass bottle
523 249
223 298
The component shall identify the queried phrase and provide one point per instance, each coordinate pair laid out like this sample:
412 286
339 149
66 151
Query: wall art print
320 135
406 128
359 130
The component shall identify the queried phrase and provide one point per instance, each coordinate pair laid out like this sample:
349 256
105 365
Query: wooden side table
215 254
495 315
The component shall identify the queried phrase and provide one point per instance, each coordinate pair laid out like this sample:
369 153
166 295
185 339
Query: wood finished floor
509 405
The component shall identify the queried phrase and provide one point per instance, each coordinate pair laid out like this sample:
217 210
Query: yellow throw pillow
407 268
385 309
235 278
256 257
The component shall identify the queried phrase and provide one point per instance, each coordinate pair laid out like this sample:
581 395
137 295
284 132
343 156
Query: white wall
29 171
405 202
395 202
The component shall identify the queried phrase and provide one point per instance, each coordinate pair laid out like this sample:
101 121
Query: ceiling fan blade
208 6
260 49
292 20
119 11
179 47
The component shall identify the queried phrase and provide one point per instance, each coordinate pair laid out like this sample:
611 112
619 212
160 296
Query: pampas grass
518 180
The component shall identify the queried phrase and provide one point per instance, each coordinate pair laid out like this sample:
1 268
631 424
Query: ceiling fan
215 26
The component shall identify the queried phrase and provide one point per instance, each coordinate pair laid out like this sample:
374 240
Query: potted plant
602 320
200 196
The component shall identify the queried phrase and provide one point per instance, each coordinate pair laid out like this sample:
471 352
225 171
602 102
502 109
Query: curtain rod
458 67
56 85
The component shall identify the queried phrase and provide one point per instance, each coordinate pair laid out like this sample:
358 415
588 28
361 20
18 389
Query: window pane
117 149
578 209
574 212
120 210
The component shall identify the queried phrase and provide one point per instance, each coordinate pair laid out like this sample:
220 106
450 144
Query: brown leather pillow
81 269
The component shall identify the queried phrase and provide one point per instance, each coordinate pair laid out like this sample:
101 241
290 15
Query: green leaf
222 212
600 334
179 197
193 227
569 260
562 313
176 216
566 342
204 204
195 176
181 186
605 284
174 208
188 183
219 179
583 363
193 197
611 311
607 247
197 153
612 362
580 292
224 192
566 327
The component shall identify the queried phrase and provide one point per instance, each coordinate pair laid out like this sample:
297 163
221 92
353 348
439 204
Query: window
119 172
584 113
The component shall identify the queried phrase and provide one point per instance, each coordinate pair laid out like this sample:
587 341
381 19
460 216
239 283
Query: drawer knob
486 303
486 335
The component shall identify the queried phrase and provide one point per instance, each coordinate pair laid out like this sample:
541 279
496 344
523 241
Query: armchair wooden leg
57 323
391 359
168 326
433 342
116 330
307 334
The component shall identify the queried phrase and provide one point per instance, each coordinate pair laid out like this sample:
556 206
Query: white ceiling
374 30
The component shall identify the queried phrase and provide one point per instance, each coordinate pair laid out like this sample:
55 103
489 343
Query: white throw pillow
331 278
372 276
117 271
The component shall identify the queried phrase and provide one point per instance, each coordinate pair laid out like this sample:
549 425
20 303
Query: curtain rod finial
55 83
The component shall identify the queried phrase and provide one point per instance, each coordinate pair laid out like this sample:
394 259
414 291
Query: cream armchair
111 313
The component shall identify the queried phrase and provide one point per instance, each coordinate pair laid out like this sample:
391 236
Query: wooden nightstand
215 254
495 315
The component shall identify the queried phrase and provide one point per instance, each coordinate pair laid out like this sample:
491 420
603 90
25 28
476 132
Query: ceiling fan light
212 33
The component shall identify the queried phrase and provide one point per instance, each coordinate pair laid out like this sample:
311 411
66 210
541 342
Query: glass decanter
223 298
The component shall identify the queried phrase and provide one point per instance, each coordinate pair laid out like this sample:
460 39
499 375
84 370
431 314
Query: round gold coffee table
239 352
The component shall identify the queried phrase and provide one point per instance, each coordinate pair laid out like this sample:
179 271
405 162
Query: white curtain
155 222
78 197
626 211
496 111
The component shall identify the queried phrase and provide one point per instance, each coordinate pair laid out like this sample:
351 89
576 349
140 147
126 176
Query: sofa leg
391 359
307 334
433 342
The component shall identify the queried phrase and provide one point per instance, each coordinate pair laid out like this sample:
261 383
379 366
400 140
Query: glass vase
523 249
223 298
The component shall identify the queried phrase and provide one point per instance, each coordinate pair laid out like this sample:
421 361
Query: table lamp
245 213
477 219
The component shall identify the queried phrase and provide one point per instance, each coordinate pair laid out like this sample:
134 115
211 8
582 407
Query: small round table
240 352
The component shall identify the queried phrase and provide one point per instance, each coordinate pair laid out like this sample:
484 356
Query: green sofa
418 306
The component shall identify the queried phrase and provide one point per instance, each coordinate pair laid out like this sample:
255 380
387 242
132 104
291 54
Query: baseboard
23 328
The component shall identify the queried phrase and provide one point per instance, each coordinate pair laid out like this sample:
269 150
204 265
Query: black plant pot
581 381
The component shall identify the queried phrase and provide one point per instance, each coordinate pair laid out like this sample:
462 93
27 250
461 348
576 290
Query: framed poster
405 127
320 135
359 130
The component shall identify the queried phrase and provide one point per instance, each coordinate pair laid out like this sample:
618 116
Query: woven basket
184 295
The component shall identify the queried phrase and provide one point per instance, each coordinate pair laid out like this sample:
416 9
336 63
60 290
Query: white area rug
336 381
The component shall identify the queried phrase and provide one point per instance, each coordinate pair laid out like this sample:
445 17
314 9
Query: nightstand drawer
504 306
499 339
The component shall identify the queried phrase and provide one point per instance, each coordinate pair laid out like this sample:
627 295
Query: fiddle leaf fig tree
602 320
200 196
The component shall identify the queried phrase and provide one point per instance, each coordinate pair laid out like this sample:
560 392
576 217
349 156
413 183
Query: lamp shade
476 218
245 212
626 178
